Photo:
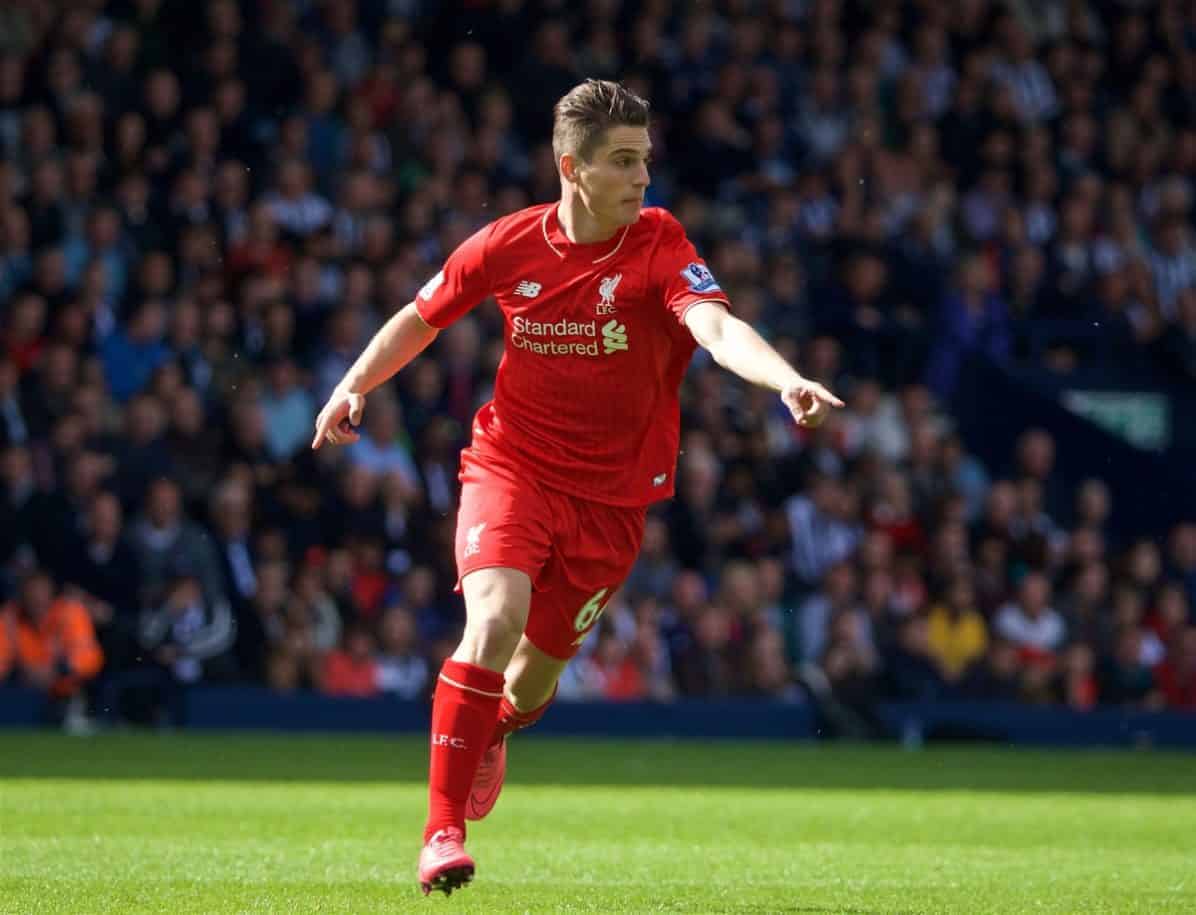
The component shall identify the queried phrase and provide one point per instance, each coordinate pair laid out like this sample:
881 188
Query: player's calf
492 770
510 719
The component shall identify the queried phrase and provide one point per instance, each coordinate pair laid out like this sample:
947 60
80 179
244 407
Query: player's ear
569 165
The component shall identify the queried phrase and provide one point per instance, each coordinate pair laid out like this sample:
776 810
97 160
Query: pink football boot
487 781
444 864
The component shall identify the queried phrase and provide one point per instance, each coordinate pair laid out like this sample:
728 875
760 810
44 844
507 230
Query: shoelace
443 837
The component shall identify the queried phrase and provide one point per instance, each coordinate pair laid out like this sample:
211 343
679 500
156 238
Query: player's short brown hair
587 110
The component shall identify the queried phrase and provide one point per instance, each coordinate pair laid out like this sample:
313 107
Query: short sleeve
680 273
460 285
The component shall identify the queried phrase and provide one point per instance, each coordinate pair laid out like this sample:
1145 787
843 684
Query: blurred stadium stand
974 219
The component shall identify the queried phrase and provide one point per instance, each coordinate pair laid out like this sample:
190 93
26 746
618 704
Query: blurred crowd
206 209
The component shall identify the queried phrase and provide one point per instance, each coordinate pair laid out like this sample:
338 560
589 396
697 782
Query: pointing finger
824 394
323 429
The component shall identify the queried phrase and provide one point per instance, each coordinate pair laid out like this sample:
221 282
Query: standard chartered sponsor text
541 337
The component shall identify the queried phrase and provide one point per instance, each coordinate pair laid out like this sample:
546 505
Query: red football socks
464 711
510 719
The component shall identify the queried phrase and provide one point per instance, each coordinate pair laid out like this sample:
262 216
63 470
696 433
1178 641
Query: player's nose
643 179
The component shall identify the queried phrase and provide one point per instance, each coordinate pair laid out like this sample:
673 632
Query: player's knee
491 635
497 602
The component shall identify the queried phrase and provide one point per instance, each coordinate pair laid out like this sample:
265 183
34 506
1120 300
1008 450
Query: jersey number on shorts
588 615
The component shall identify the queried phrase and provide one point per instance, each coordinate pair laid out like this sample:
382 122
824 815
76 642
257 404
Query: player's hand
809 402
336 421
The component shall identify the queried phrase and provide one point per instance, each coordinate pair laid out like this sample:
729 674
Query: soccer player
604 304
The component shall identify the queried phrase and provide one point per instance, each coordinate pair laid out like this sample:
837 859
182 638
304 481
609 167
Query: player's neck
579 224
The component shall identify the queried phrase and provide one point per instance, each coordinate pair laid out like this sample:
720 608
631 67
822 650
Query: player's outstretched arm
737 347
400 340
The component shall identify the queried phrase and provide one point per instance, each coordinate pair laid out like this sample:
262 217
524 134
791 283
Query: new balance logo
445 740
472 536
659 479
614 337
528 289
606 290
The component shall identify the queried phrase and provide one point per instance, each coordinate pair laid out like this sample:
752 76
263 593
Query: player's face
612 183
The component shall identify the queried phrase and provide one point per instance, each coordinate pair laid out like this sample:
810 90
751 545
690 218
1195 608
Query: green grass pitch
290 824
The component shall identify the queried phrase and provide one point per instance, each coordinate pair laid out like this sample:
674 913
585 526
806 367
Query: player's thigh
587 566
532 676
502 543
503 522
497 602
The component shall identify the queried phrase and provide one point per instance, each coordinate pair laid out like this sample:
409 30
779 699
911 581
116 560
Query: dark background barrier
1020 724
241 708
233 707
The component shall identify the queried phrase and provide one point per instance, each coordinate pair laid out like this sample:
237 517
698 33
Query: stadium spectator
107 574
165 538
822 529
351 669
187 638
379 450
268 641
1182 556
1030 622
1170 613
957 636
611 671
838 597
656 567
712 663
911 668
652 652
402 668
1075 683
1176 675
845 684
288 409
973 320
1126 679
998 677
771 675
47 641
1086 607
132 352
1129 612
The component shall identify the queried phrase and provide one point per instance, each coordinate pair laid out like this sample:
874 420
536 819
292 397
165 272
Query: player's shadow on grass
546 761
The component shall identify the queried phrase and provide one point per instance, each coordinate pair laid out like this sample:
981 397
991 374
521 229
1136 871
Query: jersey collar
558 241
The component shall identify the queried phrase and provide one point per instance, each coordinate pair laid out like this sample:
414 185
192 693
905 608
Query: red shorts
576 552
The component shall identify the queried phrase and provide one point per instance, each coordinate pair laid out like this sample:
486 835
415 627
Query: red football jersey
586 398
